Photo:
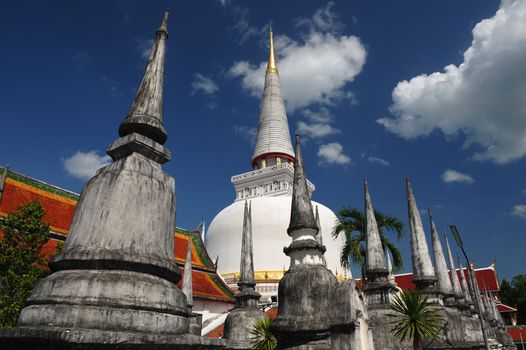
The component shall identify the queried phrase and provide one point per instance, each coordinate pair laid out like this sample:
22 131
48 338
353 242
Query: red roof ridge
42 182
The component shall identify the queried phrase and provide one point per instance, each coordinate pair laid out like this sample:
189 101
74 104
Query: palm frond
262 337
414 317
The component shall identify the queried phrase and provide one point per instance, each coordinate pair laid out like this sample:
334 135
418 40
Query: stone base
108 300
240 322
87 339
303 320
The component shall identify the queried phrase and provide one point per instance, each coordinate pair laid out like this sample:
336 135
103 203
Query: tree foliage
414 317
514 294
351 222
262 337
21 261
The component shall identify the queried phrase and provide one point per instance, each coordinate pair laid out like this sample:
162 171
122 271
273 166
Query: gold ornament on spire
272 67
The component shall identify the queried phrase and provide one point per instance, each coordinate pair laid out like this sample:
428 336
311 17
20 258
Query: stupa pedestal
114 283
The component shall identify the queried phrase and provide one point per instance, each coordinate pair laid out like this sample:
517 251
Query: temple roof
60 204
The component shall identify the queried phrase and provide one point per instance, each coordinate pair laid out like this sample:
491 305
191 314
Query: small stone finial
272 67
319 236
423 271
375 264
164 23
443 281
463 281
2 181
246 279
146 114
187 278
390 276
301 215
457 289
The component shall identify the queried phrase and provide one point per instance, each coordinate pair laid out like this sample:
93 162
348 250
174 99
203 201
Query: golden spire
272 67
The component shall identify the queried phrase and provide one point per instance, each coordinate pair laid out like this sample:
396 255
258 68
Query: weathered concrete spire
146 114
242 318
246 279
121 236
273 144
443 281
390 277
187 277
305 291
319 236
375 264
2 181
301 215
457 289
423 271
463 282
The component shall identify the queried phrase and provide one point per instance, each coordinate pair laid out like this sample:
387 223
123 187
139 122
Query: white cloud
379 161
316 130
451 175
247 133
483 98
332 153
203 84
243 26
314 70
83 165
144 47
323 115
323 19
519 210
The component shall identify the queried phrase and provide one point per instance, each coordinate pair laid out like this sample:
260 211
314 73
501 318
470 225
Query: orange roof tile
60 204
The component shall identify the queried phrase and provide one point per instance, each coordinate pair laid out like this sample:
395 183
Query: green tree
514 294
21 261
414 318
262 337
351 222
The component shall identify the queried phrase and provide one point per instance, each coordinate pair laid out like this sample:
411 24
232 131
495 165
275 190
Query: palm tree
351 222
414 317
262 338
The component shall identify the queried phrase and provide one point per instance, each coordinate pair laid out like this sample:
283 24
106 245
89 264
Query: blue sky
379 89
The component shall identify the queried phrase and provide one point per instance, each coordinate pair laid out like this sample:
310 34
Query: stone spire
390 277
378 287
305 292
423 271
463 282
302 227
273 143
2 181
443 281
242 318
246 279
455 282
121 236
319 236
375 264
187 277
146 114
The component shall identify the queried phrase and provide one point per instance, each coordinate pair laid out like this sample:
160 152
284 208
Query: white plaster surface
270 220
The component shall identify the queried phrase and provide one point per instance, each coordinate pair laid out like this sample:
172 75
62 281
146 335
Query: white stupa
269 188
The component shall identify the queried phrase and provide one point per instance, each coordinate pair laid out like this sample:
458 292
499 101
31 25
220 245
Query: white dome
270 220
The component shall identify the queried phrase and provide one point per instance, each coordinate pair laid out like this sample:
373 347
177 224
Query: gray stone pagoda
305 291
114 283
378 289
195 319
423 272
242 318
